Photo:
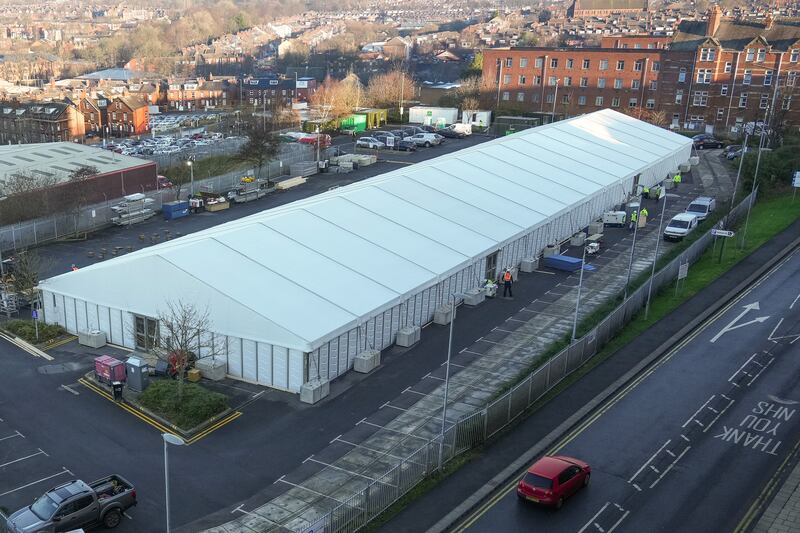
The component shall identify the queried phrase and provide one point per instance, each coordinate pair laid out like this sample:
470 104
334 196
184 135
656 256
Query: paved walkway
783 514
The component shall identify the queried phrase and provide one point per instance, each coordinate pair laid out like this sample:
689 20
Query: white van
701 207
680 226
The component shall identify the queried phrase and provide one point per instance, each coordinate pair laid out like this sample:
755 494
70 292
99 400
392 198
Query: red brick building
603 8
198 94
128 115
574 80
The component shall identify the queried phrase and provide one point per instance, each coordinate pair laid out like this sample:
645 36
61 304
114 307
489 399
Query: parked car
75 505
553 479
163 182
680 226
701 207
393 143
737 153
702 136
708 142
731 148
370 142
449 133
424 139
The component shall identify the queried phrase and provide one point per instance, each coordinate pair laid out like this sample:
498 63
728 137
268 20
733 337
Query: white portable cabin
295 292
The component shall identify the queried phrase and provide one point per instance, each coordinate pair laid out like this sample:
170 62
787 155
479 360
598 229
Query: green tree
475 67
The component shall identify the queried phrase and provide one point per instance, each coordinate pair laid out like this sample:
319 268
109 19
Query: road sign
796 179
683 270
722 233
35 314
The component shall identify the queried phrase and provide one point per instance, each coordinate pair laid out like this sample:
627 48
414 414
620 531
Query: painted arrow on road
775 339
734 323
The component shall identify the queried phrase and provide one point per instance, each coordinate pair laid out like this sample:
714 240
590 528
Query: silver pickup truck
74 505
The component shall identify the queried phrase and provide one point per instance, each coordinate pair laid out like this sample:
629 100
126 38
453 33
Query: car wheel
700 147
560 503
427 144
586 480
112 518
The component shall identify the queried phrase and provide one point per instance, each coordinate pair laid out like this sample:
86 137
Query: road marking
347 471
248 513
211 429
545 272
618 522
696 412
64 471
592 519
62 342
70 389
387 404
730 379
24 346
730 327
40 452
763 367
795 301
649 460
664 473
15 434
312 491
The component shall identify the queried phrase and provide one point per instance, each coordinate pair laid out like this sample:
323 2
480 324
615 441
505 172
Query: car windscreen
540 482
697 208
679 224
44 507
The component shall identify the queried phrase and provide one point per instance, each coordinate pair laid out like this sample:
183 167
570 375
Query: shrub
195 407
26 330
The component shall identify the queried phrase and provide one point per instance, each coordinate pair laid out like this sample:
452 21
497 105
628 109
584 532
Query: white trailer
477 118
433 116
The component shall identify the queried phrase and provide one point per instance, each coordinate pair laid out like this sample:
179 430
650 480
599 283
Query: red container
109 369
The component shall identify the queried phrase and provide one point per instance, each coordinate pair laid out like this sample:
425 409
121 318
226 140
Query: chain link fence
475 428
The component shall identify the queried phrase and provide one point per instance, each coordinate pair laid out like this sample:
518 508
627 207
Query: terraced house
40 122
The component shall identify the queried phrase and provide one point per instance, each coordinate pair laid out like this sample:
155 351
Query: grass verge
196 405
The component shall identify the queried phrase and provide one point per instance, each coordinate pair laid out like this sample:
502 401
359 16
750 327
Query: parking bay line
64 471
15 434
40 452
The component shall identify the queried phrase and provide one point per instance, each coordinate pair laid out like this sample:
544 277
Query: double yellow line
60 343
572 435
155 423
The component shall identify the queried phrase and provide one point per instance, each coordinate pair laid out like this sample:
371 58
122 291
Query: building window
509 62
768 77
522 79
570 63
747 78
552 80
535 97
567 81
581 100
723 91
704 76
586 63
113 115
728 67
762 55
632 102
708 54
523 62
751 54
635 84
679 96
682 75
637 66
787 102
598 101
554 62
620 65
651 46
700 99
743 100
656 66
603 64
720 113
539 62
653 85
565 99
650 104
506 79
537 80
506 95
764 102
790 77
794 55
617 83
550 98
520 97
601 83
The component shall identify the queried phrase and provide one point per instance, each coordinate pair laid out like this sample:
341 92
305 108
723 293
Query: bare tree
74 193
336 99
388 90
184 337
27 267
262 145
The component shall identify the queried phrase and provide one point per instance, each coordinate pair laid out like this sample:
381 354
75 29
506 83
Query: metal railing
475 428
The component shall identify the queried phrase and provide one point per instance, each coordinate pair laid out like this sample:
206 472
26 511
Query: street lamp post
555 99
453 297
578 301
755 176
633 247
655 257
739 172
191 178
175 440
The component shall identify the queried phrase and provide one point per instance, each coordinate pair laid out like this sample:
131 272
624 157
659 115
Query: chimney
714 18
768 21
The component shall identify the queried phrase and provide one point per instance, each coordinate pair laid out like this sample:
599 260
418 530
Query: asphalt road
692 443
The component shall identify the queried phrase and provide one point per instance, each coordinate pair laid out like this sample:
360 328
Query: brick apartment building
40 122
267 92
197 94
128 115
603 8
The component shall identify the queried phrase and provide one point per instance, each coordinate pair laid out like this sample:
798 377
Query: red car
551 480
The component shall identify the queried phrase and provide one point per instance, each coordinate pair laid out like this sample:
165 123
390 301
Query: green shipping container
357 123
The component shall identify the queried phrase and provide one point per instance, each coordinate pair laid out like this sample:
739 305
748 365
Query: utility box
108 369
138 374
92 339
529 264
193 375
474 297
578 239
211 368
314 391
595 227
367 361
443 314
408 336
551 249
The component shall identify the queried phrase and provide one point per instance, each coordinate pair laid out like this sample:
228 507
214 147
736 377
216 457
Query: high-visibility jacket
676 178
633 216
646 190
507 276
644 212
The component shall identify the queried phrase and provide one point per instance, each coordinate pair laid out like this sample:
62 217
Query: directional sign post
795 184
722 233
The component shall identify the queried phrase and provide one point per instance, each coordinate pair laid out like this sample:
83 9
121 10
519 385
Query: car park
701 207
370 142
680 226
553 479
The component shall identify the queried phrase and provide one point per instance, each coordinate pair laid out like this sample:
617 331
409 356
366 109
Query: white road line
126 515
16 434
795 301
664 473
64 471
696 412
654 469
70 389
592 519
730 402
248 513
670 453
44 452
40 452
428 375
503 330
392 430
544 272
763 367
387 404
637 487
408 389
618 522
730 379
648 461
312 491
336 438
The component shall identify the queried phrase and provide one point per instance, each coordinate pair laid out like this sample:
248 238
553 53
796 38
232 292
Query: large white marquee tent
295 292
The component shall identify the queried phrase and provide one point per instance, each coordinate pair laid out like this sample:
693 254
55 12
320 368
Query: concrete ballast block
211 368
314 391
529 264
367 361
474 297
408 336
92 339
694 160
551 249
443 314
685 167
596 227
578 239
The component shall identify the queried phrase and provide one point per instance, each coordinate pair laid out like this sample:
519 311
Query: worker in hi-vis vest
508 279
633 221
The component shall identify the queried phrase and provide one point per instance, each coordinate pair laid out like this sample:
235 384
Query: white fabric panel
280 367
117 327
93 321
69 313
235 357
264 363
81 320
296 358
127 327
250 360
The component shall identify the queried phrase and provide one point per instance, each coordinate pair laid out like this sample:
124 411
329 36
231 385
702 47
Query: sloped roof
121 74
736 35
301 274
611 5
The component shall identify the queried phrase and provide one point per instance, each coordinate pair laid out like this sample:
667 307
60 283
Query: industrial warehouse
294 293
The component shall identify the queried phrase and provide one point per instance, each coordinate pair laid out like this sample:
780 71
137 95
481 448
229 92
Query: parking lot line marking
335 438
70 389
387 404
15 434
40 452
592 519
64 471
649 460
211 429
248 513
696 412
44 452
763 367
312 491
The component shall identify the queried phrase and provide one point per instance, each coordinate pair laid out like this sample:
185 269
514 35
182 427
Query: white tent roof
300 274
